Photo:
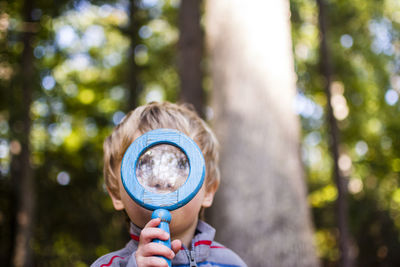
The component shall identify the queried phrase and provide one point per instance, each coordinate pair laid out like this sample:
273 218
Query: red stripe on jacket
206 243
113 258
203 242
134 237
217 247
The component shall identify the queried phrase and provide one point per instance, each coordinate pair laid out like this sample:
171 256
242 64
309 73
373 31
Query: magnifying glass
162 170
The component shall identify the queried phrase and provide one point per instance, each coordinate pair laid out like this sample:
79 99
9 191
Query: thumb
176 245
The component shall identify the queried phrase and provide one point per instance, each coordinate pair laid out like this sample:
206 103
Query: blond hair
153 116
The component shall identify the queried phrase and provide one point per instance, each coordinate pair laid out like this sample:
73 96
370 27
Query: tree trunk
341 202
21 169
133 70
261 210
190 53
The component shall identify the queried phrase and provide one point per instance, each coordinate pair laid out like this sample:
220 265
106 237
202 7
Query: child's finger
153 223
157 249
152 261
148 234
176 245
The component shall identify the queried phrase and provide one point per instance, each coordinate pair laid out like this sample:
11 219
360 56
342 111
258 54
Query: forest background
70 70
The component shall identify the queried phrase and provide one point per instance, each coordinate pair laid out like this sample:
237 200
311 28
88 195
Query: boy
192 238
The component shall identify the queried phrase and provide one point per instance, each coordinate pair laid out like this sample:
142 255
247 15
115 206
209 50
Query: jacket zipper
192 260
191 256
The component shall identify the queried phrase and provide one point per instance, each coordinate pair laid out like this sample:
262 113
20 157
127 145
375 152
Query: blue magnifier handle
165 217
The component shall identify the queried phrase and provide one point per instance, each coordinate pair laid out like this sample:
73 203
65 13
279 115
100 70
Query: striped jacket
204 252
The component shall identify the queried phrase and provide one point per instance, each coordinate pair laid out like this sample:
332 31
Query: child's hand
147 250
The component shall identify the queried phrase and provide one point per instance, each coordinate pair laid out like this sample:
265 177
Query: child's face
183 219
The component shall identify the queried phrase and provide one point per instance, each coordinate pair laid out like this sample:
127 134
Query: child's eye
145 161
182 164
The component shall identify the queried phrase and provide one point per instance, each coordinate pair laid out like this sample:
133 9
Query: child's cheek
138 215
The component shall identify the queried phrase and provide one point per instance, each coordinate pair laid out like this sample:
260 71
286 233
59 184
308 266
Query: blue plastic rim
182 195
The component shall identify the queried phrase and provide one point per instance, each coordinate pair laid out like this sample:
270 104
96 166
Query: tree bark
190 54
261 209
341 202
21 169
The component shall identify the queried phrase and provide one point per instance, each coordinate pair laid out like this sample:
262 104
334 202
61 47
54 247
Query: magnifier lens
162 168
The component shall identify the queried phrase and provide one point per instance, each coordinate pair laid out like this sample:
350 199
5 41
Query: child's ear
208 198
116 200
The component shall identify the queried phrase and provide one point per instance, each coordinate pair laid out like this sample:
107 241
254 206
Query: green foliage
364 48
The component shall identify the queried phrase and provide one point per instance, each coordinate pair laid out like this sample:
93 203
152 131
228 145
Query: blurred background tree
261 210
90 62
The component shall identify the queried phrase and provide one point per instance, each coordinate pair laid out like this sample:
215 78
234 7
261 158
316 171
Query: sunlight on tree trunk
261 210
190 53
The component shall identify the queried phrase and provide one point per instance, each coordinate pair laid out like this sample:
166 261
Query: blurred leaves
82 53
364 45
